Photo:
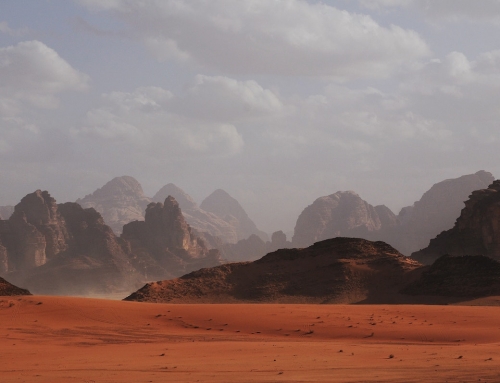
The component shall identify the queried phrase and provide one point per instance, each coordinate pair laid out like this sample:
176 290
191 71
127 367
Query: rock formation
164 243
437 210
119 201
66 249
226 207
476 231
341 214
8 289
197 218
339 270
465 276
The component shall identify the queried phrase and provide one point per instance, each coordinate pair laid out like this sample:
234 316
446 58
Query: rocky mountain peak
186 202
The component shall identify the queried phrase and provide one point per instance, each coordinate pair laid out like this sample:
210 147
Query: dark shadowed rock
229 209
120 201
339 270
464 276
8 289
476 231
197 218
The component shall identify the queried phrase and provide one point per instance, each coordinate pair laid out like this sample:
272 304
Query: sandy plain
59 339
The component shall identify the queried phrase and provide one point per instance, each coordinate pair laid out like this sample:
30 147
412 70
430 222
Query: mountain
197 218
164 244
341 214
226 207
476 231
339 270
8 289
66 249
437 210
119 201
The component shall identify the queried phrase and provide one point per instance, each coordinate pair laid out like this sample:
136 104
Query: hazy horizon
278 103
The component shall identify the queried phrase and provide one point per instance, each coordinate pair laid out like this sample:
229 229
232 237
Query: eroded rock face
229 209
476 231
166 238
437 210
8 289
254 247
343 214
120 201
197 218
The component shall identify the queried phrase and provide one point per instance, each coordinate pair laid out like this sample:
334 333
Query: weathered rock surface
338 215
197 218
476 231
437 210
66 249
119 201
8 289
339 270
464 276
226 207
164 243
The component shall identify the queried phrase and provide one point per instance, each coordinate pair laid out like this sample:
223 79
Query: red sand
56 339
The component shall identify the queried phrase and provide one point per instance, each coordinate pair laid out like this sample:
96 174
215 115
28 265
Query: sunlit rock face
476 231
119 201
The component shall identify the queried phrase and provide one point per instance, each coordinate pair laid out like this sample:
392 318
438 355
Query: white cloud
4 28
283 37
34 73
143 121
450 10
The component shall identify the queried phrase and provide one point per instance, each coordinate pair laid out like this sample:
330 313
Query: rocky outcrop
119 201
339 270
226 207
341 214
437 210
197 218
8 289
476 231
164 243
465 276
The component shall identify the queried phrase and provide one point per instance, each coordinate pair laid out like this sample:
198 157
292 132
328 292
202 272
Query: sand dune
56 339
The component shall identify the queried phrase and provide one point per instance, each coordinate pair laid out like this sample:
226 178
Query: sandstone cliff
339 270
341 214
119 201
197 218
226 207
475 232
164 244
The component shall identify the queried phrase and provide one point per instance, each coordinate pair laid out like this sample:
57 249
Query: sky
278 102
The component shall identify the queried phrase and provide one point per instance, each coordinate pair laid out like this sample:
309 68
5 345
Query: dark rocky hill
339 270
8 289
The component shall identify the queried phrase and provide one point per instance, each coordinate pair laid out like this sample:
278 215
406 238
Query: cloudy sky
277 102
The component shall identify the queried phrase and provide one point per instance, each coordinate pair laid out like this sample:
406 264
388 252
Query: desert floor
58 339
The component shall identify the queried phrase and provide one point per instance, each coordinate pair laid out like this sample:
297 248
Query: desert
69 339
